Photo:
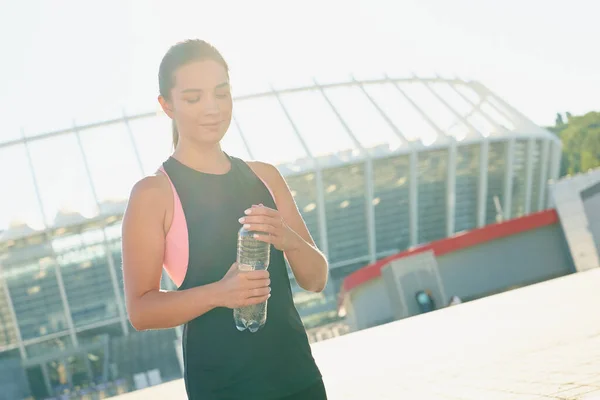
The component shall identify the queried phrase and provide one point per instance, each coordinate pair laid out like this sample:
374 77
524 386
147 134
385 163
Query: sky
83 61
67 62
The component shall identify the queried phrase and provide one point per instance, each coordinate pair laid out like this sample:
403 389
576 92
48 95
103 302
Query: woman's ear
166 106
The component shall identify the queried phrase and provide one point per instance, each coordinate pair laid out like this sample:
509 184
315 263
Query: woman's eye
222 95
194 100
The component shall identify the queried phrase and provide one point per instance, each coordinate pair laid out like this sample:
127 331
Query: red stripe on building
457 242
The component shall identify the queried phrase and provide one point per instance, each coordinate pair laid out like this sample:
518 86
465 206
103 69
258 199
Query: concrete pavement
537 342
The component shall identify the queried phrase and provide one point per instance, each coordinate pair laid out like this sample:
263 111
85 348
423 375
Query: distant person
454 300
187 216
425 301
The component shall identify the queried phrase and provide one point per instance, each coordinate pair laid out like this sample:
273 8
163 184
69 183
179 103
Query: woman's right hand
243 288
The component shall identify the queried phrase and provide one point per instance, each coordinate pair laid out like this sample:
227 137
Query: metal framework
108 255
549 159
57 271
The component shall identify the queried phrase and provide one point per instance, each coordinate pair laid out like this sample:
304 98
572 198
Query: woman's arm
143 243
287 231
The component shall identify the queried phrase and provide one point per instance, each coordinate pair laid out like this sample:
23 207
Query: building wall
369 305
566 195
516 260
591 206
471 273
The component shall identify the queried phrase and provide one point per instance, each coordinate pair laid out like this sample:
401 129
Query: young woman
186 218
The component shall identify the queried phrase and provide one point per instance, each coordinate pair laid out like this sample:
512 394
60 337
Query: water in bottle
252 254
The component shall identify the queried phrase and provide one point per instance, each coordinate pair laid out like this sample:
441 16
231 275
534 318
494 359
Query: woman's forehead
201 75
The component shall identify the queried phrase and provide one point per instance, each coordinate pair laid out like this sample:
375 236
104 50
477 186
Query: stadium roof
316 126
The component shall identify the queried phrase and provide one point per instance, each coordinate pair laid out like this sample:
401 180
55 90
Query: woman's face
200 102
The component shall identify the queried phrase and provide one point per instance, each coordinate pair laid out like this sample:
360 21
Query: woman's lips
212 124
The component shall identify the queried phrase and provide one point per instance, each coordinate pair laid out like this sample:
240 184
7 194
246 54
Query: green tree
580 136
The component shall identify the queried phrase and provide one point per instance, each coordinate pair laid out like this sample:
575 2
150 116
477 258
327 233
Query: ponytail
175 135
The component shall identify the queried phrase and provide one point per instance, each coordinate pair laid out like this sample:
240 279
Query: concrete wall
591 206
566 194
406 276
516 260
368 305
474 272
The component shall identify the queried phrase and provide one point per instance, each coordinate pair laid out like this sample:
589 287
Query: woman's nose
211 107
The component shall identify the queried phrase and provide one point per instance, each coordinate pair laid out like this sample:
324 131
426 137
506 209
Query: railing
328 331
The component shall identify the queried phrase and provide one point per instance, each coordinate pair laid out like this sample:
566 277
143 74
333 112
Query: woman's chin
208 137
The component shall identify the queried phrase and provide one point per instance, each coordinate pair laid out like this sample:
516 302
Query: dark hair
178 55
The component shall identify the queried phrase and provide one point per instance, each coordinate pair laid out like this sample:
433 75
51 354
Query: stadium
376 167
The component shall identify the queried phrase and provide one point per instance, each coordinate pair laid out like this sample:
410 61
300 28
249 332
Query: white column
370 208
451 189
13 314
116 288
413 198
483 183
65 300
529 174
543 174
322 220
556 151
508 178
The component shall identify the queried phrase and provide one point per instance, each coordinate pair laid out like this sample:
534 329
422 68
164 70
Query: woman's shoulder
152 190
151 197
264 170
156 184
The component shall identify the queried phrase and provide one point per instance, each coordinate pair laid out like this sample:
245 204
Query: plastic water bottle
252 255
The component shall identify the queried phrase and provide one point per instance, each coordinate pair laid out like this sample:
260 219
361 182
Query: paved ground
538 342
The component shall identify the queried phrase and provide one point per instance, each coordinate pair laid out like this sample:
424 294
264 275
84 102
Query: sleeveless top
219 361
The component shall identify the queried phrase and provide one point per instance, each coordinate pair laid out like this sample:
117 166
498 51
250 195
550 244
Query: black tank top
221 362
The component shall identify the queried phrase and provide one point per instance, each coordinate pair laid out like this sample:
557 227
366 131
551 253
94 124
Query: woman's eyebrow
189 90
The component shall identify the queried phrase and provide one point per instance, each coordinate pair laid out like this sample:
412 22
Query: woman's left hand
270 228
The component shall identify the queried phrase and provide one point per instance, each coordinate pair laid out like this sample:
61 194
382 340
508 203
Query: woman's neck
210 159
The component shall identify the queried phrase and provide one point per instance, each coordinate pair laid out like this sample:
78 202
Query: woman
186 218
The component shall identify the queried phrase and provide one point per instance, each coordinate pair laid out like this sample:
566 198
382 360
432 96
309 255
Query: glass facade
519 178
432 195
536 178
86 276
345 208
392 214
496 172
467 187
304 191
37 299
366 162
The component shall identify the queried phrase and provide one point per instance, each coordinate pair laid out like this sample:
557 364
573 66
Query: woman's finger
260 219
261 228
272 239
262 211
257 300
259 292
